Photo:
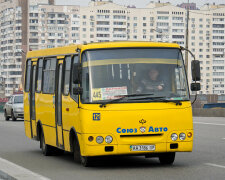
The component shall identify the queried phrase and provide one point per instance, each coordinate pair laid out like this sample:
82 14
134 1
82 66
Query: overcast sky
137 3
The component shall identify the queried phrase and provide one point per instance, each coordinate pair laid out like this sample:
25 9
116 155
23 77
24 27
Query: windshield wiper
161 99
121 98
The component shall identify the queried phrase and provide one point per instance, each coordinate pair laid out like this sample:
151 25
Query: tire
76 151
46 149
13 117
6 117
84 160
167 158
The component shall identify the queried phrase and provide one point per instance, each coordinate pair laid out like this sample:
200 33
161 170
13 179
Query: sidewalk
11 171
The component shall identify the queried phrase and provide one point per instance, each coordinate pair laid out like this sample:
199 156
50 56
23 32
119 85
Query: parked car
14 107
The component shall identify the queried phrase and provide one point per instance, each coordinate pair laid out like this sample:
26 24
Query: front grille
141 135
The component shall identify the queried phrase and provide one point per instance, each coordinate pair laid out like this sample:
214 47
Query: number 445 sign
96 94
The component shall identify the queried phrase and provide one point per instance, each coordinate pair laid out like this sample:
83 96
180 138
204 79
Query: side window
66 80
10 100
49 75
28 75
75 60
39 75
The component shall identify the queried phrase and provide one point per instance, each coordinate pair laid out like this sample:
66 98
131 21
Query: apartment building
49 25
13 21
31 25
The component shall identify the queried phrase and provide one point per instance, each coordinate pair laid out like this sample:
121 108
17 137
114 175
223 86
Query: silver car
14 107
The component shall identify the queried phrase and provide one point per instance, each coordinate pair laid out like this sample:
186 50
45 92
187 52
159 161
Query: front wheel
84 160
13 116
167 158
6 117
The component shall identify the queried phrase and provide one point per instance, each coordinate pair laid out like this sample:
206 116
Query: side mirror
76 73
77 90
195 86
195 69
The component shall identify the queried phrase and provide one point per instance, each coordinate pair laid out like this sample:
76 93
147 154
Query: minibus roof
72 49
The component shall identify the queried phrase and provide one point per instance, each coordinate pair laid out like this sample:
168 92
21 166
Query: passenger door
32 100
58 106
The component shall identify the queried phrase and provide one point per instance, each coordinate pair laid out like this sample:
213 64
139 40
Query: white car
14 107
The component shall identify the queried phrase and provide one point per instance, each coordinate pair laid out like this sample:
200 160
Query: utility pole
187 38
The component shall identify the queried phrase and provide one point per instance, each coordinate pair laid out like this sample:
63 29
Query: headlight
182 136
174 137
108 139
99 139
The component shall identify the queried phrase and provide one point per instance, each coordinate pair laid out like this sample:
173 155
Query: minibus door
32 101
58 107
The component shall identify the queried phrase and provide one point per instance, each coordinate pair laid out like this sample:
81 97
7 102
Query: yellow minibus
110 98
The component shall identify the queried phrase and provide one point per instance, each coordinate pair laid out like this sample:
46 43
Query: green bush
1 108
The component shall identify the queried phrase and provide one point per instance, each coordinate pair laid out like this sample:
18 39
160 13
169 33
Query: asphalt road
207 161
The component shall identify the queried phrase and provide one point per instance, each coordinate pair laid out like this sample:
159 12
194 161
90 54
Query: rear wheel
6 117
46 149
167 158
13 116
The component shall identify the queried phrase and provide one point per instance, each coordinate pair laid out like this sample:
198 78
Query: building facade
42 24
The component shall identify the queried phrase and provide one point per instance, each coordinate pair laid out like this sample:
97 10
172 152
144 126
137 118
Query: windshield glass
143 73
18 99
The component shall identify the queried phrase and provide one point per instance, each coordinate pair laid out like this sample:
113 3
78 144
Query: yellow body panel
118 120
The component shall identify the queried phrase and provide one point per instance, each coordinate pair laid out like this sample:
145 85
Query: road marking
13 171
215 165
223 138
215 124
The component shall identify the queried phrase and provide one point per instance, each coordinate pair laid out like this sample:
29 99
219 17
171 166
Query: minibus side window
28 75
49 75
39 75
75 60
66 78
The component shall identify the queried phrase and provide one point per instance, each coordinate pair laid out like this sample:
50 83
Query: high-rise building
13 27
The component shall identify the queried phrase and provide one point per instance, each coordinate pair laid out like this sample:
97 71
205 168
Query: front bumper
19 114
101 150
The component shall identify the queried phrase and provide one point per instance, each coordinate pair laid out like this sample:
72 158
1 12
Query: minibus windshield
139 74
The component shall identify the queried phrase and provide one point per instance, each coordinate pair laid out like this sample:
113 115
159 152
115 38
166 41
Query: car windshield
18 99
138 74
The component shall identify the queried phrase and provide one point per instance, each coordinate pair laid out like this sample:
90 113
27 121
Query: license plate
142 148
